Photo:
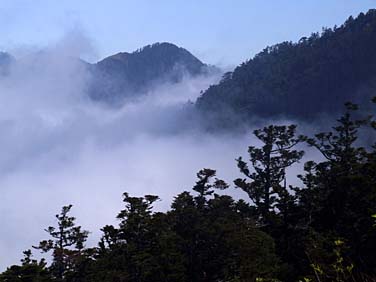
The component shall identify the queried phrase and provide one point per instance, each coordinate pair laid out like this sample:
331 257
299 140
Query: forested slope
300 80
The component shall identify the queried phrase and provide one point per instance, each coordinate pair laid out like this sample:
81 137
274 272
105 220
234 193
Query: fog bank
58 147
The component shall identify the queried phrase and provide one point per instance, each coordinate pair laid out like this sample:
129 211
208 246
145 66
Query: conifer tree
265 181
30 270
66 243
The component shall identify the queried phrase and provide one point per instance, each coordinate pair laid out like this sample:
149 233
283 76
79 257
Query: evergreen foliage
299 80
323 230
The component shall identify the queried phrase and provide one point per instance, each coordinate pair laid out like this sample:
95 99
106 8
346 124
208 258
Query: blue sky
224 32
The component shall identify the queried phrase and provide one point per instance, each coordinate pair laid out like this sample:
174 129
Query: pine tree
67 244
30 270
267 176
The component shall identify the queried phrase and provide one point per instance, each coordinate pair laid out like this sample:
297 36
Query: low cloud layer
58 147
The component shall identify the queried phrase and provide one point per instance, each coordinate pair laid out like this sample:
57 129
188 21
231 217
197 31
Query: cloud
58 147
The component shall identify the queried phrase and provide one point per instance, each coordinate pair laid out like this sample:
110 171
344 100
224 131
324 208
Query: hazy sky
223 32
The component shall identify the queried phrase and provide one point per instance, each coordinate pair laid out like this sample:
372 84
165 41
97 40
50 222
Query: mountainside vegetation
322 230
299 80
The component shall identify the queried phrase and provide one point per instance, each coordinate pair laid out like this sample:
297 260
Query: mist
58 147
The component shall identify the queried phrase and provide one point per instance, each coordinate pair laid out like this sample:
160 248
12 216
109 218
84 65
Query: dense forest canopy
299 80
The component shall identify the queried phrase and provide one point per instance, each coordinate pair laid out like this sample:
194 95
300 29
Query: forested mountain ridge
123 75
300 80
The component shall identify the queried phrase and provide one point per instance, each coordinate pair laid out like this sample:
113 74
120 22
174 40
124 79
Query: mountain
125 75
299 80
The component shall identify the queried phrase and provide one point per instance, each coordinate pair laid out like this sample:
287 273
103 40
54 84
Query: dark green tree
141 247
330 183
66 243
267 175
340 192
205 188
30 270
218 236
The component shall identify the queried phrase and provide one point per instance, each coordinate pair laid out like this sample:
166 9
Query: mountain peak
157 45
124 75
121 56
